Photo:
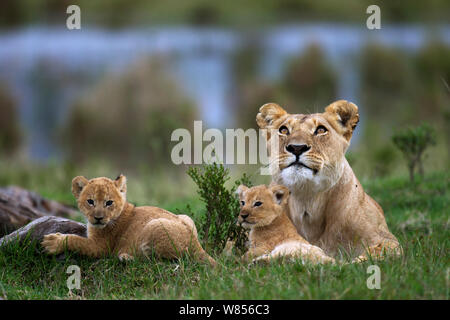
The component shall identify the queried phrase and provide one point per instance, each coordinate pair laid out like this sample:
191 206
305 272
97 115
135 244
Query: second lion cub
272 234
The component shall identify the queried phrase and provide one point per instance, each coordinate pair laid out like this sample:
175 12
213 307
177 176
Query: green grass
418 214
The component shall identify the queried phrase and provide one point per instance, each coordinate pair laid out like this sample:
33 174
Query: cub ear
121 183
241 189
343 116
268 114
78 183
281 193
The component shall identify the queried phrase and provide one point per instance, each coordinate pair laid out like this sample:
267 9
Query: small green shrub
412 143
218 223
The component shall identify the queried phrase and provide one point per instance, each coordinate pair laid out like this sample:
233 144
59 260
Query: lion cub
272 234
118 227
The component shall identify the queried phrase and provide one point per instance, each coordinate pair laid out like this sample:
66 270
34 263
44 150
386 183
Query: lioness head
308 150
100 199
260 205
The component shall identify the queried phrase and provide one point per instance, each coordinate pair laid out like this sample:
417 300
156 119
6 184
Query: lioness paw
263 259
53 243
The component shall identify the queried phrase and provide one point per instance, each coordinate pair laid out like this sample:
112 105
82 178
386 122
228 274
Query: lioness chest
308 218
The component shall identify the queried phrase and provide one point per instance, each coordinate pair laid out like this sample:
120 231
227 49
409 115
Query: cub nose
297 149
98 218
245 215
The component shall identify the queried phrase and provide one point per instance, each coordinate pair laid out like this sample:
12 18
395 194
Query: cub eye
320 130
108 203
243 203
284 130
90 202
257 204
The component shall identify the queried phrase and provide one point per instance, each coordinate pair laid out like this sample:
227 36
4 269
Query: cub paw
125 257
53 243
360 259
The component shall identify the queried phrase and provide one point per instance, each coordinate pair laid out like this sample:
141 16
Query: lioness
264 210
118 227
328 205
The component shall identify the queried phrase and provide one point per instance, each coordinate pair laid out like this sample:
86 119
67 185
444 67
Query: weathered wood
19 207
37 229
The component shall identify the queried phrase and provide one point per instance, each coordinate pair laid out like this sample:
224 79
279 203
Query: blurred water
47 68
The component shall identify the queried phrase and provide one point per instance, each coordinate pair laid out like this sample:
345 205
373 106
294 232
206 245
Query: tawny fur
123 229
328 205
264 210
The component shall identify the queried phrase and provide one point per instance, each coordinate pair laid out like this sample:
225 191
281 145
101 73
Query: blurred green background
105 99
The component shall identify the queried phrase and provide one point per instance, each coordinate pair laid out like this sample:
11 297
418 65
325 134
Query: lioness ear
344 117
281 193
78 183
241 189
268 114
121 183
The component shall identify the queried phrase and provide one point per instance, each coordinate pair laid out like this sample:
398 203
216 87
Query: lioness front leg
294 250
55 243
379 251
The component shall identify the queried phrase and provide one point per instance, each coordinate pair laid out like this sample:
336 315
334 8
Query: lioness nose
243 216
297 149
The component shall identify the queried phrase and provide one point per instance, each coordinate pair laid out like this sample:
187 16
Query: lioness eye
243 203
108 203
90 201
284 130
320 130
257 203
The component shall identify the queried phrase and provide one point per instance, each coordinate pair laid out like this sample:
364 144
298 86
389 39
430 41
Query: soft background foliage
128 118
10 134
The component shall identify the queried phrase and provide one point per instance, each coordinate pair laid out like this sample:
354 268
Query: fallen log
18 207
37 229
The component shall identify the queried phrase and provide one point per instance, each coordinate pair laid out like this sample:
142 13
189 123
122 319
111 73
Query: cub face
260 205
100 199
308 149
